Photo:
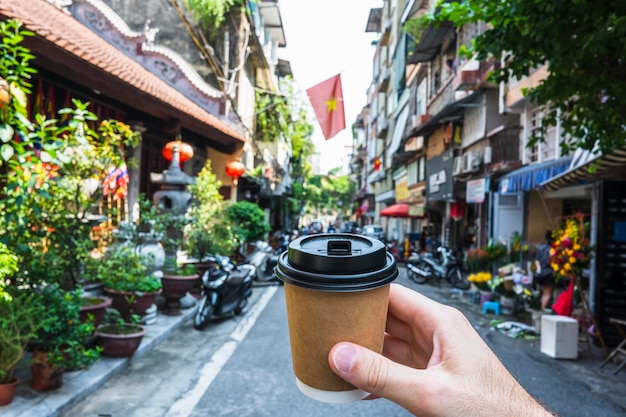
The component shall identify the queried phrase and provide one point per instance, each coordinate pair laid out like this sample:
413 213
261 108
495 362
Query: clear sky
326 37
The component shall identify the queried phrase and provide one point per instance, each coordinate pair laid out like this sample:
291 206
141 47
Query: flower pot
120 340
44 376
174 288
507 305
7 391
128 303
485 296
95 306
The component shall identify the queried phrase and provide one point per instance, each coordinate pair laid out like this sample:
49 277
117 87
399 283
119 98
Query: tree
583 42
248 221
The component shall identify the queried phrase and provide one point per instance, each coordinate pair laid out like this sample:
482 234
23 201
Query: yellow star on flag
331 104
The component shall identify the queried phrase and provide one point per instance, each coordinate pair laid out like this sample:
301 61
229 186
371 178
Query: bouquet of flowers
481 280
478 260
531 299
570 253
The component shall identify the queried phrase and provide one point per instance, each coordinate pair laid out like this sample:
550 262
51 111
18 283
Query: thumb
373 373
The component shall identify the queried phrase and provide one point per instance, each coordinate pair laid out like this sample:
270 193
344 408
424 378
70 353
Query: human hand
434 364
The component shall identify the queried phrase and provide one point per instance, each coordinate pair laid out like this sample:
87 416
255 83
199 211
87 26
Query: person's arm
434 364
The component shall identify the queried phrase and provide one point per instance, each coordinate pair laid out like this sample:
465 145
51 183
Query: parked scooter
226 288
425 266
271 260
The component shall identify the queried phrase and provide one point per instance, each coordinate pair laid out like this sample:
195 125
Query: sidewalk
78 384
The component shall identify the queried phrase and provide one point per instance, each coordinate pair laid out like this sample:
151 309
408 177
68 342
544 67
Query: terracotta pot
44 376
7 391
97 309
128 303
120 344
174 288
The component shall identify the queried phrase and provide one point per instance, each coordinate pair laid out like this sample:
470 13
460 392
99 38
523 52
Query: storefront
603 190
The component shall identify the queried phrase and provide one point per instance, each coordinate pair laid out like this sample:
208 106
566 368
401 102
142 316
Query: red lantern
185 151
377 164
235 169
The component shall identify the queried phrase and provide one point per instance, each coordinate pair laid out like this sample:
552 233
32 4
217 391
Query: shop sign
417 195
475 191
439 184
416 210
402 189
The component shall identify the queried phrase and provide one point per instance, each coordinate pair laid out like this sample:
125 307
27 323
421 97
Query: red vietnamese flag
327 101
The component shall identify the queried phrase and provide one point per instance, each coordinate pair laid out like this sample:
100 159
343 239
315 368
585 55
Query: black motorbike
226 288
426 266
271 260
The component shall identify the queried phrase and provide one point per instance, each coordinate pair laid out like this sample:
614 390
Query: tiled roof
63 31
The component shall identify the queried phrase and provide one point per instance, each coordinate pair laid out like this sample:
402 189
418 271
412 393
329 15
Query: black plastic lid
336 262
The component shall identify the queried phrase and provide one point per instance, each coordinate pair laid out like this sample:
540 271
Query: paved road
241 367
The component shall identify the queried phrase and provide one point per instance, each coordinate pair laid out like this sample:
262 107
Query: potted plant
177 280
249 223
126 279
60 343
211 231
93 308
20 315
117 337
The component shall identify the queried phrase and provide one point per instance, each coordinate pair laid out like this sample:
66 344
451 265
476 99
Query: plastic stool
493 306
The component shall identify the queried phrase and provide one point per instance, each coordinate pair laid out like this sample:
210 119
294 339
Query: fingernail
343 357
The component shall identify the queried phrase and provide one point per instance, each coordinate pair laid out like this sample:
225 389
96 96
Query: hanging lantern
377 163
235 169
185 150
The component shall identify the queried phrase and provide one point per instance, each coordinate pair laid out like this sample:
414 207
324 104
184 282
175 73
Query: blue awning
531 176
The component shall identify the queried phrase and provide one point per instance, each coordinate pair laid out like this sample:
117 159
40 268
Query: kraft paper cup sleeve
319 320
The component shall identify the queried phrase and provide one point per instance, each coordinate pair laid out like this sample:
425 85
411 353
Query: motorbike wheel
203 313
421 279
241 306
458 279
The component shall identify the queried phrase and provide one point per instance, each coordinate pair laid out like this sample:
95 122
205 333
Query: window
421 171
421 98
411 173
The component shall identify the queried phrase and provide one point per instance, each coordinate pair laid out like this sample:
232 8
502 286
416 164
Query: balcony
382 128
466 80
383 78
504 143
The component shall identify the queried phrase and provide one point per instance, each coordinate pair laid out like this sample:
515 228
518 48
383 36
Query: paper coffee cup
336 289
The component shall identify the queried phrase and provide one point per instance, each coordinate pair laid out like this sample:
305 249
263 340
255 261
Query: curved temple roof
66 46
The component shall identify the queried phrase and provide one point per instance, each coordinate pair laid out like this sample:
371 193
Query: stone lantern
173 196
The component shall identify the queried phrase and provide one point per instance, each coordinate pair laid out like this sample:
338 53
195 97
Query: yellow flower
572 259
567 267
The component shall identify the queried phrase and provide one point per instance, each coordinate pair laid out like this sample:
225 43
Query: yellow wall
538 220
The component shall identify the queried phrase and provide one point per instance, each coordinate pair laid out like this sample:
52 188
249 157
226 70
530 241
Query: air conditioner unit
487 155
471 162
458 165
